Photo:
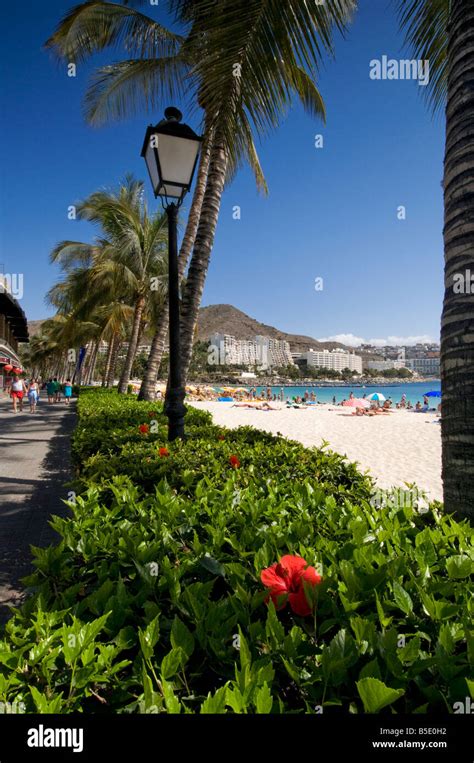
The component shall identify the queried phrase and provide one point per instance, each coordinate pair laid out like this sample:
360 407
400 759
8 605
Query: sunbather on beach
263 406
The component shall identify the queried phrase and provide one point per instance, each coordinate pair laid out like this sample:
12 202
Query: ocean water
414 391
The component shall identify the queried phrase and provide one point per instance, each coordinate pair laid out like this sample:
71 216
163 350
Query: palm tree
441 31
277 52
137 247
92 290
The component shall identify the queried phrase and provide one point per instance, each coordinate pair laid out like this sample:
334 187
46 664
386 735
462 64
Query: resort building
385 365
13 330
261 351
335 360
424 366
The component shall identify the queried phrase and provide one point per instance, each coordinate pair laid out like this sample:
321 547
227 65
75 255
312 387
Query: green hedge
152 601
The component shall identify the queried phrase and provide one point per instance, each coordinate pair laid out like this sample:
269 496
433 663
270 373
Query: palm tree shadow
26 523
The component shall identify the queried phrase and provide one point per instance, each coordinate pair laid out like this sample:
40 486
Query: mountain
226 319
34 327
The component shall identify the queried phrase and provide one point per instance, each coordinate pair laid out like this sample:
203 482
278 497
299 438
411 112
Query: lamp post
171 152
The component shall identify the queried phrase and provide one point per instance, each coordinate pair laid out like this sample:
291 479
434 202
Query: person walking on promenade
67 391
33 395
50 389
18 389
57 390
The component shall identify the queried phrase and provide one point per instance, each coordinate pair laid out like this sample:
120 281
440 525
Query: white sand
397 448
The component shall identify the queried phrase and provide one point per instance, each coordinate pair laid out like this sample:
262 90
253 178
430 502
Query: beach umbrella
240 389
433 393
356 403
377 396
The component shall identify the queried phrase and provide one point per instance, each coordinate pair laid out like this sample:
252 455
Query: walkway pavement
34 465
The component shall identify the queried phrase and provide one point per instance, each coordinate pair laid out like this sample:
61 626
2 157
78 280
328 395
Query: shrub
153 600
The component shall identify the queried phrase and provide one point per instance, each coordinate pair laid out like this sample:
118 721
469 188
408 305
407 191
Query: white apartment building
261 351
424 366
335 360
385 365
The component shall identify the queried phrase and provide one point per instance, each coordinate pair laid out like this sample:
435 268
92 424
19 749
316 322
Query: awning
15 316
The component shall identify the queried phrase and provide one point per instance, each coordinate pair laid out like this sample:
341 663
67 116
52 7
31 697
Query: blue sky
331 212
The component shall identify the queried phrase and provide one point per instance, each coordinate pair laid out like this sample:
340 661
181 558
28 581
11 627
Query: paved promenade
34 465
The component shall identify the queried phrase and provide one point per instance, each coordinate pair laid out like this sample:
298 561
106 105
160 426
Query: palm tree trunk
201 254
82 366
132 345
110 351
92 363
457 323
116 343
147 390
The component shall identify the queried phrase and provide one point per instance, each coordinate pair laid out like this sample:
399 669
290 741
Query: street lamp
171 152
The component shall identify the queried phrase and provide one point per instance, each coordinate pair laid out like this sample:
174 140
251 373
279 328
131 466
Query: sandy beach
396 448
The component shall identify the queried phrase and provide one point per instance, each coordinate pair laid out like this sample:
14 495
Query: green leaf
263 699
375 695
459 566
172 662
149 637
402 598
235 700
273 627
244 651
215 704
384 620
44 705
173 705
212 565
338 657
182 637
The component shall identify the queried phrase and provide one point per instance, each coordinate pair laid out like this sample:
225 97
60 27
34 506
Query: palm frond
93 26
127 88
425 23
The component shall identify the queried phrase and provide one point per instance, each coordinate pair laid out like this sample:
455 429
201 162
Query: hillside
34 327
226 319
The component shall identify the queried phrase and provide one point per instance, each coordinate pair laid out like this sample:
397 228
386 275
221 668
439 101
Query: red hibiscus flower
234 462
220 437
286 582
144 428
163 452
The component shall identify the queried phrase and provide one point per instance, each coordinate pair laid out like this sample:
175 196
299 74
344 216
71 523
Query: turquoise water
413 391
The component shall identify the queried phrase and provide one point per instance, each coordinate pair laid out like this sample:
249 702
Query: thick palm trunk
80 372
457 324
198 267
132 345
107 362
93 361
116 343
147 390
